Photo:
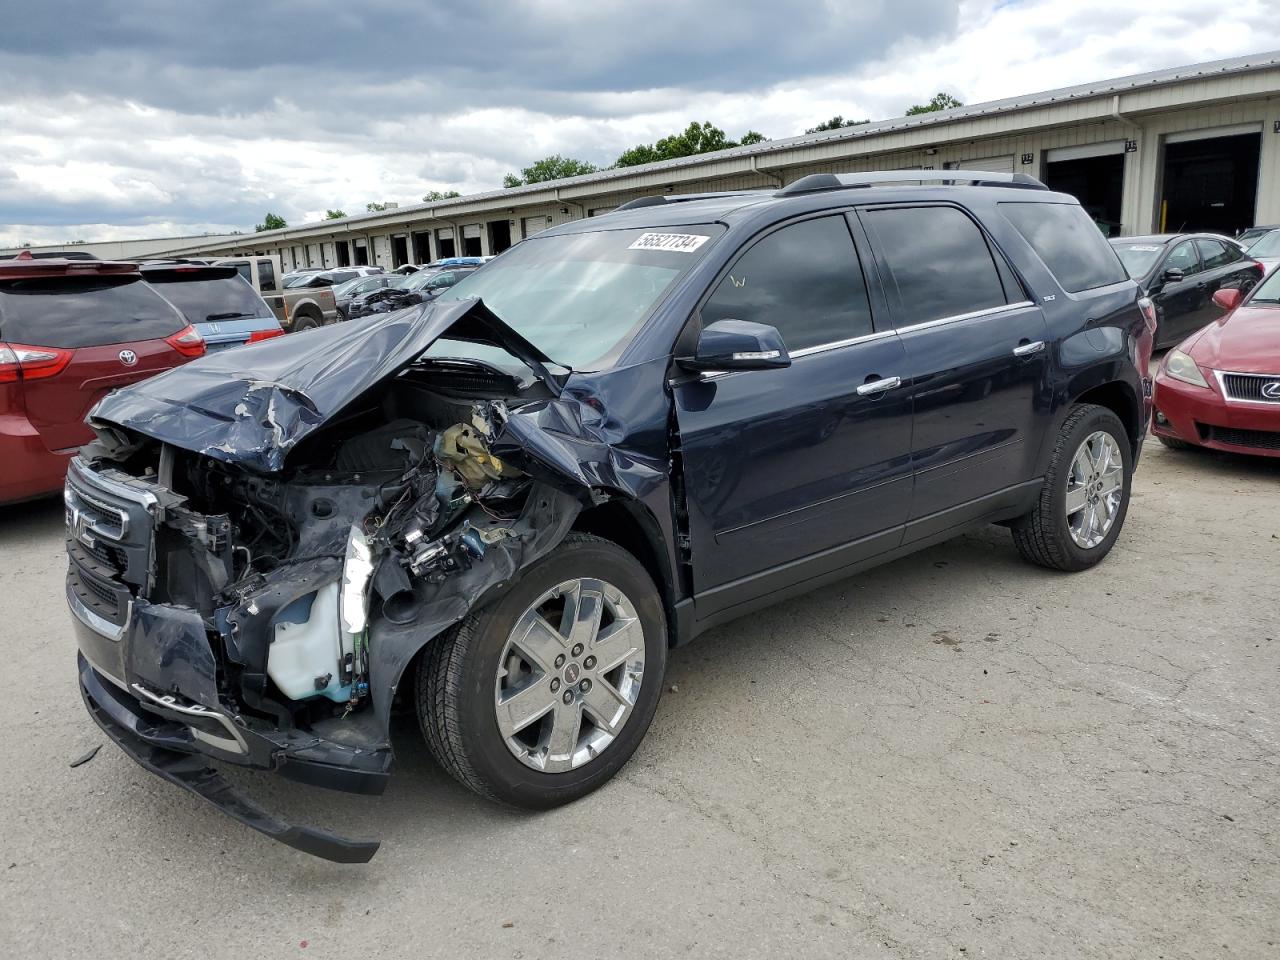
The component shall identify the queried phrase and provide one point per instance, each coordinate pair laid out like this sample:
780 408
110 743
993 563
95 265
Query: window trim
876 304
893 302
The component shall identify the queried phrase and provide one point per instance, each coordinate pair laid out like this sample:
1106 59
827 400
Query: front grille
1250 386
1232 436
98 595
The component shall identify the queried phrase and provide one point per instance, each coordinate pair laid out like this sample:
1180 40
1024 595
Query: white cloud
154 157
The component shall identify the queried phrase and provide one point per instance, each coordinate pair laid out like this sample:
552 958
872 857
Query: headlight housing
1182 367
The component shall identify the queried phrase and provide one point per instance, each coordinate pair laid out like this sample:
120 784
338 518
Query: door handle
879 386
1027 349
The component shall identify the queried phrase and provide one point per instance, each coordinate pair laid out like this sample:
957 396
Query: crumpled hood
251 405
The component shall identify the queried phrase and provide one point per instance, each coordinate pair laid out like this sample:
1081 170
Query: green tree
696 138
433 195
375 207
836 123
335 214
271 222
554 167
940 101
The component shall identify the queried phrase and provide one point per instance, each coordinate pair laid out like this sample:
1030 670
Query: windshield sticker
678 242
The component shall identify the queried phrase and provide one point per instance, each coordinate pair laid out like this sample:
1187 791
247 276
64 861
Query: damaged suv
500 510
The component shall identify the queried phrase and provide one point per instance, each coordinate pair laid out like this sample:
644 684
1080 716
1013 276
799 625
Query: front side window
1068 242
805 280
1183 257
939 263
1216 254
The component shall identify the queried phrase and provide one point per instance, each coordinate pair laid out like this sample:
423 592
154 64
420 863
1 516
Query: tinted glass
1138 258
446 279
1215 254
938 260
244 271
804 280
266 275
229 298
578 297
70 312
1183 257
1069 243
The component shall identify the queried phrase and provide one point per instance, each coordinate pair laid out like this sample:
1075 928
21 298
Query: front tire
544 694
1084 497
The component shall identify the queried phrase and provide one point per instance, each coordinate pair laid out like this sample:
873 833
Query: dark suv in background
502 508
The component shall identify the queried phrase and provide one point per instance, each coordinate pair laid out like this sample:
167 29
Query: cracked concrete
957 755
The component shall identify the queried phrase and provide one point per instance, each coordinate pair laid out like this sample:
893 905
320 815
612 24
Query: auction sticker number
678 242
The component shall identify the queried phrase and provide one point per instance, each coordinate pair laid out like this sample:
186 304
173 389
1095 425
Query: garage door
990 164
532 225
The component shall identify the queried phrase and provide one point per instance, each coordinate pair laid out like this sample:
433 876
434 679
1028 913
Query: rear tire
479 684
305 322
1084 497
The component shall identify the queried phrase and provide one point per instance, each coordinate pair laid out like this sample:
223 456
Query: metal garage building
1194 148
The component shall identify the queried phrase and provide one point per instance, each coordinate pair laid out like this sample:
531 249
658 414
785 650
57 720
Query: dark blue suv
502 508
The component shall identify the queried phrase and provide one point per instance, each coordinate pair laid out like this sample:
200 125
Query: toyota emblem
1271 390
128 358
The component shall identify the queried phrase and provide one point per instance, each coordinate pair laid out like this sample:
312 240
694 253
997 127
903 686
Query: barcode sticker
677 242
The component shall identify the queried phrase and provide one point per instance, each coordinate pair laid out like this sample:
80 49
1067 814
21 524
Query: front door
780 465
977 360
1180 303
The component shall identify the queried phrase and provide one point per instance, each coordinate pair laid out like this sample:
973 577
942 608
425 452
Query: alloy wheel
569 675
1095 487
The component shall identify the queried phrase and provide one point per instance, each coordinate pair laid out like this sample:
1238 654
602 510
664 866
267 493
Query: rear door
1226 267
784 464
976 356
111 331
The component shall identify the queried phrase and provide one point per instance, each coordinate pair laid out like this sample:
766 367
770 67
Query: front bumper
1204 417
160 746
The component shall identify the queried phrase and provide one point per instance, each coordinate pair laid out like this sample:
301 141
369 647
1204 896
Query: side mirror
1228 299
1173 275
738 345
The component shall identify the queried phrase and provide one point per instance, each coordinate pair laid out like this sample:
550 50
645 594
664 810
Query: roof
25 267
1112 87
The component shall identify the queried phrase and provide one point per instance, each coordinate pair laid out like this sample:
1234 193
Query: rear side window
804 279
939 262
1069 243
266 275
1216 254
70 312
220 298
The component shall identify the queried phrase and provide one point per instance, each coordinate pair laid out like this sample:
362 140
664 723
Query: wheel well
1120 399
630 527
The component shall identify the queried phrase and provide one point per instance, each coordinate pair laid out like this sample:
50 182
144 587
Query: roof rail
840 181
658 200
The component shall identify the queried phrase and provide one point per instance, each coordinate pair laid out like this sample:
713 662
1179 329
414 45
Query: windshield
416 281
1268 291
348 288
1268 245
1253 233
224 298
1138 258
578 297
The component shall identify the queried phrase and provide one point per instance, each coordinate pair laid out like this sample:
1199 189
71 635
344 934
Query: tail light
187 342
21 362
259 335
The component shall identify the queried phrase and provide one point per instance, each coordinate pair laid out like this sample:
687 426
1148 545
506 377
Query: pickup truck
296 309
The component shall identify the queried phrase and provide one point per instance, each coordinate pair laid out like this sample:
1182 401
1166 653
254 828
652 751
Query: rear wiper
233 315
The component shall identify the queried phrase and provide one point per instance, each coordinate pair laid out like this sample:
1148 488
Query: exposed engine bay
379 521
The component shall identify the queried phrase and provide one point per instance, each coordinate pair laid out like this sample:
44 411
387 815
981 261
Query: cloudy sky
154 118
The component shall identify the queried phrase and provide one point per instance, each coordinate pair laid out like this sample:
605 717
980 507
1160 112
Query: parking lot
954 755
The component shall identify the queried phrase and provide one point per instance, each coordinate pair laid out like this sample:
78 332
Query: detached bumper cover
163 747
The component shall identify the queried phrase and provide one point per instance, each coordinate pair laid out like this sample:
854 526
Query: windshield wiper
233 315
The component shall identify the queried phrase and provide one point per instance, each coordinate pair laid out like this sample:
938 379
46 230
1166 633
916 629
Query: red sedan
70 331
1220 387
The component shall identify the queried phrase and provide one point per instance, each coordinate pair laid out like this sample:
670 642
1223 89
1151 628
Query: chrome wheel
569 675
1095 488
